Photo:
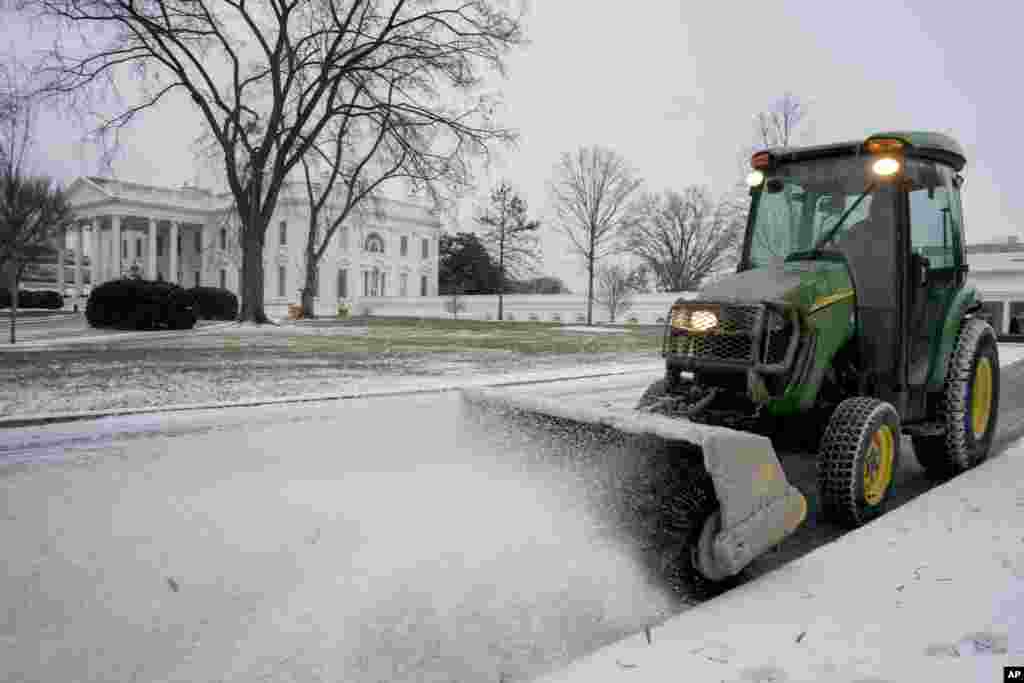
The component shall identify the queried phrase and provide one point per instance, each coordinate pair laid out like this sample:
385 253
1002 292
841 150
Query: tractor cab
887 211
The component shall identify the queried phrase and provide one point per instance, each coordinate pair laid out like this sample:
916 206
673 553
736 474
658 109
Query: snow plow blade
758 507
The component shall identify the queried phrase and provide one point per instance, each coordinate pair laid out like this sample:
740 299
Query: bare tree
683 237
593 193
786 123
268 78
510 237
783 123
616 286
34 211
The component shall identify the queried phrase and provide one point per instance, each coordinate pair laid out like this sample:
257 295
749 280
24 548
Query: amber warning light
761 161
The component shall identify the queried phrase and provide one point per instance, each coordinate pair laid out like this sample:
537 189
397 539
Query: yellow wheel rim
878 465
981 397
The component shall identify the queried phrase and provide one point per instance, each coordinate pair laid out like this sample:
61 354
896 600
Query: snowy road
350 540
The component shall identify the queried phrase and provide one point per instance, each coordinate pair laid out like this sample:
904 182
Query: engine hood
804 284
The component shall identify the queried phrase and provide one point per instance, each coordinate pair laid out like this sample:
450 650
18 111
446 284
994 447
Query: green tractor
848 323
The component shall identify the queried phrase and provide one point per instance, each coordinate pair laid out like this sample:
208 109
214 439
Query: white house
393 253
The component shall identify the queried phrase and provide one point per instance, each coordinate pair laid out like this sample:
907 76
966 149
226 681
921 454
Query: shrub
32 299
214 303
47 299
140 304
344 311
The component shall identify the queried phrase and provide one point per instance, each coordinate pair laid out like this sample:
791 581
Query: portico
124 227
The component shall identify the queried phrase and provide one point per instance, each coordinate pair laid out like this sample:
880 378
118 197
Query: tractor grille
777 332
732 341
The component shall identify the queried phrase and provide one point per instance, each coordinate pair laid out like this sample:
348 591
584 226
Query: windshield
803 201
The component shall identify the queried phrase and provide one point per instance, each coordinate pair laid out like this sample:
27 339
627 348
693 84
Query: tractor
848 323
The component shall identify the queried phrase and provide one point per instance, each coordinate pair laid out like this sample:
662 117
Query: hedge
214 303
33 299
140 304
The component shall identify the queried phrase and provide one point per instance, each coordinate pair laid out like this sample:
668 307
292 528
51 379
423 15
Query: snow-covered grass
238 362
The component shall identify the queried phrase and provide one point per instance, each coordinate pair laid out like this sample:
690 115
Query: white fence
564 308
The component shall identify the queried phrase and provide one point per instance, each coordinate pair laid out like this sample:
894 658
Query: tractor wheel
970 405
858 458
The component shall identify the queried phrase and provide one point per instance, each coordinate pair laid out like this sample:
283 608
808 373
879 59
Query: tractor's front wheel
857 461
970 405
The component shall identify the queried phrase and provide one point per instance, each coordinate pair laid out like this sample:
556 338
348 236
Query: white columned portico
151 251
79 246
97 254
173 253
115 232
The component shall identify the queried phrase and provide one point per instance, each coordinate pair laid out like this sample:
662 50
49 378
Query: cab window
934 222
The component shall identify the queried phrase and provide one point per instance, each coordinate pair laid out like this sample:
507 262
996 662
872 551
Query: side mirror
921 265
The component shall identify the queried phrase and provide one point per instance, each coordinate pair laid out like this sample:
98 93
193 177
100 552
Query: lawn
248 362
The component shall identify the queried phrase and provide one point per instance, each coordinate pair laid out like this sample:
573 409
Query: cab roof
931 145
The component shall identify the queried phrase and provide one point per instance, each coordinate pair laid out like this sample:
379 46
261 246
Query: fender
965 301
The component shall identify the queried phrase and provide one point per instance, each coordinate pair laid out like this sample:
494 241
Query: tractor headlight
694 319
886 166
702 321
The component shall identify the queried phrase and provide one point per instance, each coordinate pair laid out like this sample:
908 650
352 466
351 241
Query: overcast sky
674 86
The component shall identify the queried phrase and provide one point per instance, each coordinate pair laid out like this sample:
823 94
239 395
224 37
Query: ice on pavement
359 541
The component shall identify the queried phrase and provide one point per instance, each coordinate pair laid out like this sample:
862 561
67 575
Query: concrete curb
442 387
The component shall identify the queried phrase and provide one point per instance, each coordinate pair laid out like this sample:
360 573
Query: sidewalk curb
56 418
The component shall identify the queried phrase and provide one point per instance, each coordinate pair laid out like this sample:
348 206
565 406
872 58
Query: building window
199 241
223 238
366 283
374 244
159 245
405 245
403 284
124 248
342 284
426 248
282 233
280 280
423 285
343 239
223 279
196 278
382 289
138 248
179 244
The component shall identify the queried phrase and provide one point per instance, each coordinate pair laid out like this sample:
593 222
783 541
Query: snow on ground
931 591
331 546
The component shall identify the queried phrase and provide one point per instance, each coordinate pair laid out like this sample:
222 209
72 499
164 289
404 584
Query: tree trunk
251 309
501 278
590 287
14 300
309 286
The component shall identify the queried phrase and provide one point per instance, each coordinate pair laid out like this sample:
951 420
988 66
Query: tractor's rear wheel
857 461
969 409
